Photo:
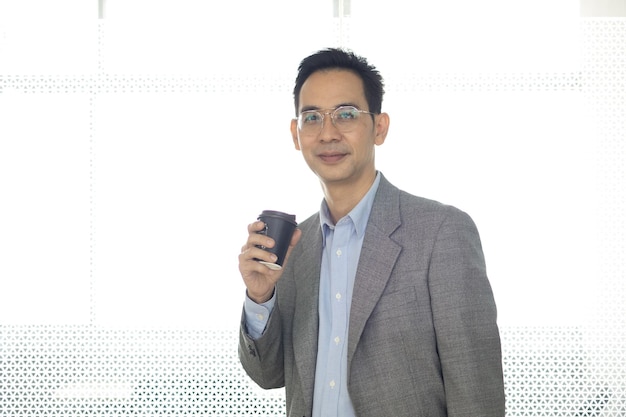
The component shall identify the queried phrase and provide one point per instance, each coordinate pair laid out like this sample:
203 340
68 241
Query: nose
328 131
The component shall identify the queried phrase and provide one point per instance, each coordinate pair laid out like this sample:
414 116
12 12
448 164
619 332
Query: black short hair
336 58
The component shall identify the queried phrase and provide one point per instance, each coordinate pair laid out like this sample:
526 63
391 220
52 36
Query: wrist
261 299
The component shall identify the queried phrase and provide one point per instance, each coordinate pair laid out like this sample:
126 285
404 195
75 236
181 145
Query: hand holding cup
270 241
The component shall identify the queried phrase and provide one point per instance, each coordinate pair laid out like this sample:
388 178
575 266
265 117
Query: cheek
305 145
364 146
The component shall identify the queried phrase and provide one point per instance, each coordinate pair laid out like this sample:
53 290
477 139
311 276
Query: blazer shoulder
395 208
426 205
393 196
419 212
420 208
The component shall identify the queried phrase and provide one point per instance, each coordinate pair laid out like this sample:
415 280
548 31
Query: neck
341 198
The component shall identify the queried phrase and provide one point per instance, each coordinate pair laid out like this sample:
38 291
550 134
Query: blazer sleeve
262 358
464 314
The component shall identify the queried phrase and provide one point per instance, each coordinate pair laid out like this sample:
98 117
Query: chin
333 179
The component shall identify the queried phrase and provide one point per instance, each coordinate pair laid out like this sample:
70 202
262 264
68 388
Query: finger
295 238
255 253
260 241
257 276
256 226
297 234
252 266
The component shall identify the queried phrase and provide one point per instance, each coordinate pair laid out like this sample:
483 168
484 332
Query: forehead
331 88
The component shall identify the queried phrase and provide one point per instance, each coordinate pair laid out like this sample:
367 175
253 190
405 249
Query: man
383 307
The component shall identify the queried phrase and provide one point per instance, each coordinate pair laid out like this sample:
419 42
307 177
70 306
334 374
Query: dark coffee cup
280 227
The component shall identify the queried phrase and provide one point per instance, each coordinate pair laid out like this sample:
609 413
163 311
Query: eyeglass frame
332 113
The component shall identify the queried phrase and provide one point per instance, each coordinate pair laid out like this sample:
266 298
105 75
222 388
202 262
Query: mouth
332 157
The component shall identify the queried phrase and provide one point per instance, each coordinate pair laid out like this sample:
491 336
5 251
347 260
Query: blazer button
251 350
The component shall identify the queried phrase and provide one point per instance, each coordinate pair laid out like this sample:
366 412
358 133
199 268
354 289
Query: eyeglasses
344 118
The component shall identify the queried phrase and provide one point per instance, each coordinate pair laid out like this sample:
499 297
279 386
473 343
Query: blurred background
139 138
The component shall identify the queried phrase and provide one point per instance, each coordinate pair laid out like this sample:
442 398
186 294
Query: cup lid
280 215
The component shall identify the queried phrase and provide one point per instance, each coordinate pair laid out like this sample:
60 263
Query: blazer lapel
378 257
306 318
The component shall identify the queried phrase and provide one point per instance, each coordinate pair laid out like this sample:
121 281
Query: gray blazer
423 339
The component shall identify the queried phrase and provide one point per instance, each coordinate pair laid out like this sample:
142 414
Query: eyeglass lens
344 118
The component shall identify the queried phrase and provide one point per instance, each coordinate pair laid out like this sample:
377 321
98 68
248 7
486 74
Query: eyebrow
309 108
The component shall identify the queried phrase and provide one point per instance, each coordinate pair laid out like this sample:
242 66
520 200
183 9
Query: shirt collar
359 214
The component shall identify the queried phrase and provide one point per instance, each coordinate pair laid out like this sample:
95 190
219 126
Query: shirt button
332 383
260 317
338 252
337 340
338 296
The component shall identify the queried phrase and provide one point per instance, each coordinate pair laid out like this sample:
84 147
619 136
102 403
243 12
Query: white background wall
135 149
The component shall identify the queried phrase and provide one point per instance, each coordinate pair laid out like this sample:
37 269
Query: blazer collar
378 257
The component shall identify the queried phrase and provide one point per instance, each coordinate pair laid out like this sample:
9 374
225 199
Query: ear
381 127
294 133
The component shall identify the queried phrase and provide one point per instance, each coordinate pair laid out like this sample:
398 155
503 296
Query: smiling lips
332 157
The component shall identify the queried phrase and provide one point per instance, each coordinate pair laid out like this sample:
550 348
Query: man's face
336 157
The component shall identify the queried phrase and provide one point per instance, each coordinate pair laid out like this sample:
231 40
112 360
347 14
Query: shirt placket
339 313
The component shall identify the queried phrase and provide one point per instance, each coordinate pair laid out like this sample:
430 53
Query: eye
346 114
310 117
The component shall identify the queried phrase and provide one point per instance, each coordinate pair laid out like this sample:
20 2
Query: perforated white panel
86 371
97 368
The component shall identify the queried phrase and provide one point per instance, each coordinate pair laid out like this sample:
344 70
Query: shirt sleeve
257 315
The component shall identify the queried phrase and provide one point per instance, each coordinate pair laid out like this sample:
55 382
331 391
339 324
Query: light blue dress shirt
341 250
